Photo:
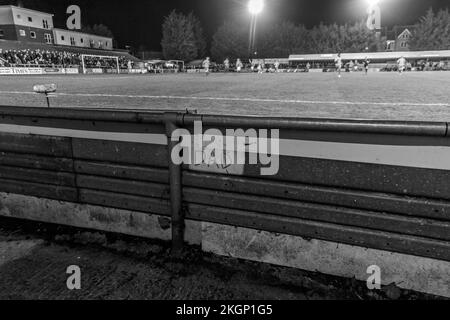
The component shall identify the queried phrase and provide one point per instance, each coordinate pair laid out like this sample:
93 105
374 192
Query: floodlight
374 3
256 6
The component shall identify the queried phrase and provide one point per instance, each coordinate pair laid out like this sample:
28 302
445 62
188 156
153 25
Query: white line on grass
261 100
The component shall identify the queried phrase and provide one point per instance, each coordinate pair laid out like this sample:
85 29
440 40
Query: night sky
138 22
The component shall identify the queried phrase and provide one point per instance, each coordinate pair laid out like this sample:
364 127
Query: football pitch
415 96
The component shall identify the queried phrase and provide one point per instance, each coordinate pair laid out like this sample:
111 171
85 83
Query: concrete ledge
408 272
94 217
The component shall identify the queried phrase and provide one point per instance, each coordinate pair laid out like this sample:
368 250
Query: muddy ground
34 258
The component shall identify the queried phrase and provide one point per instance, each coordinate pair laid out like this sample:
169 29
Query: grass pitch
418 96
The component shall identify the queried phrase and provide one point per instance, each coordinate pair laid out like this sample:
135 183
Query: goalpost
84 64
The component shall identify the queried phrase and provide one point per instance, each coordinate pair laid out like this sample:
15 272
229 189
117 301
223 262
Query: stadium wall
5 71
348 195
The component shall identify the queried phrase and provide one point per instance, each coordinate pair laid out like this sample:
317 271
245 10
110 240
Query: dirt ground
34 259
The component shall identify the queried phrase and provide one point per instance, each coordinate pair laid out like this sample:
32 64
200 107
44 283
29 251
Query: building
402 42
80 39
25 25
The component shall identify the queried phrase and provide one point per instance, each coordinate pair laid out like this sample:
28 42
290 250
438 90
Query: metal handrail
415 128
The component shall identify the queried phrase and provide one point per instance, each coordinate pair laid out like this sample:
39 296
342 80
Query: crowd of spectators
108 63
47 58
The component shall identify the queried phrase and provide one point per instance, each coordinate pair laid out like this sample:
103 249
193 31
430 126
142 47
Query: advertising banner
71 70
4 71
19 71
53 70
27 70
97 70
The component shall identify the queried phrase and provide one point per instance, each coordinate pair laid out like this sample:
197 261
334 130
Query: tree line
184 39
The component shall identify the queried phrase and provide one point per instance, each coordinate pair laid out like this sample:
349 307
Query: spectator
48 58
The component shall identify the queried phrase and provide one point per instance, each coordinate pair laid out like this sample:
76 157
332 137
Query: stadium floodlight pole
255 7
374 15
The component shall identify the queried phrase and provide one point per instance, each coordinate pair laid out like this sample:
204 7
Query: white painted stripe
231 99
148 138
431 157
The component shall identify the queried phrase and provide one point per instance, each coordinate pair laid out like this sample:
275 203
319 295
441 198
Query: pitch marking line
260 100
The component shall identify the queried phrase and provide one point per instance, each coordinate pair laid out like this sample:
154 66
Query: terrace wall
349 194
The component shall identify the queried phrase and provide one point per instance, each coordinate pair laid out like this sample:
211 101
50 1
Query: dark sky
138 22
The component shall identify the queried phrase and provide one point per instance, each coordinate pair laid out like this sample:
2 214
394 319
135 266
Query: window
81 40
48 38
45 24
22 33
72 41
30 19
62 38
33 34
19 16
2 33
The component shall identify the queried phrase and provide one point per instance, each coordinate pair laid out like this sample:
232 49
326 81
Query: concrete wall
407 271
93 217
22 17
6 16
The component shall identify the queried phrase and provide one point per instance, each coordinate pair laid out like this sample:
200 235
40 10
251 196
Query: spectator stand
16 55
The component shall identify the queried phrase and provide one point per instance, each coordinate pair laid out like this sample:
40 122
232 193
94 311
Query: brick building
31 26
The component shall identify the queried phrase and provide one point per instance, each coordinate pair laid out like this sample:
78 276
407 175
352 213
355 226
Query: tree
357 37
324 39
344 38
200 40
179 40
432 32
282 40
99 30
230 41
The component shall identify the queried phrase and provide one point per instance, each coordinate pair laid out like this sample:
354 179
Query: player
366 63
227 65
338 63
260 68
401 65
239 65
252 64
277 66
206 65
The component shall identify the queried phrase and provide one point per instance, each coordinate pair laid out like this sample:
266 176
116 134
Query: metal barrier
380 185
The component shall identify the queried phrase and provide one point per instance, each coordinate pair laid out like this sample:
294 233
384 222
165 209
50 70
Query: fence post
175 188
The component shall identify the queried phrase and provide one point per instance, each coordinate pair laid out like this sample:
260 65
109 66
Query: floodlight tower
255 7
374 15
